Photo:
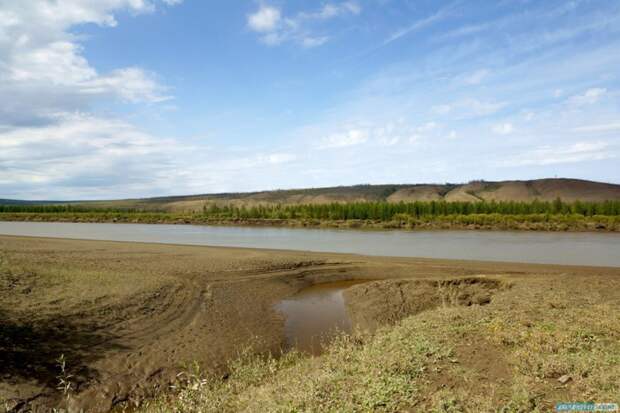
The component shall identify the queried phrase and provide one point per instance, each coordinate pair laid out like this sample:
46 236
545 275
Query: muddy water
315 315
601 249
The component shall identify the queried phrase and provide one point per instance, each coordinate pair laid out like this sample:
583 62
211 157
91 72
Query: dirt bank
127 317
375 304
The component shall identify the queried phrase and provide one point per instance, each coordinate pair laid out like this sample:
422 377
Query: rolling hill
541 189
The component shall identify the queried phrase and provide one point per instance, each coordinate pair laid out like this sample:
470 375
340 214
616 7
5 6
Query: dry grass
506 357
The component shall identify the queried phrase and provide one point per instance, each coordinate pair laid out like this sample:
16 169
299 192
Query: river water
600 249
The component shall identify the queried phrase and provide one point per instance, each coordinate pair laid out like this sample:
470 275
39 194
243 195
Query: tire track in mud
203 320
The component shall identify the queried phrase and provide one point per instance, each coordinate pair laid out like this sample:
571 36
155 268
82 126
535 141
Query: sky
134 98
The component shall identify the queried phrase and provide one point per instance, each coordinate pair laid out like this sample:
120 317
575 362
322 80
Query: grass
504 357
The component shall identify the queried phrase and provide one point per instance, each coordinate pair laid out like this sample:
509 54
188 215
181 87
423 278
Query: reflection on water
315 314
534 247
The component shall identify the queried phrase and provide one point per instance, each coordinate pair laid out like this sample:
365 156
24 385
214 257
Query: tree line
376 211
386 211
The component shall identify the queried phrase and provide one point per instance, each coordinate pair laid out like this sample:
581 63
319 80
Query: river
600 249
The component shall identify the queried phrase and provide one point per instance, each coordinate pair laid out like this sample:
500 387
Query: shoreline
487 222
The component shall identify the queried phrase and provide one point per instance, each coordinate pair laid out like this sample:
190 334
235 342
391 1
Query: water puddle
315 315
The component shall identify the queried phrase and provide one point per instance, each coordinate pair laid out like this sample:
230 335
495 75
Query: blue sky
133 98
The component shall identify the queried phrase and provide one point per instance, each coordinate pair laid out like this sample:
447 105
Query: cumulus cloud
85 156
79 151
51 146
43 68
47 137
131 84
265 19
275 28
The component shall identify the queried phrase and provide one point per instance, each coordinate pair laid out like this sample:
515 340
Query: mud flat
128 317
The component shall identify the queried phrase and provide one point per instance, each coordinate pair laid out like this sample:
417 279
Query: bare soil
127 317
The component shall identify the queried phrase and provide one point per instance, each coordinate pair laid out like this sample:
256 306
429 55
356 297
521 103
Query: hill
541 189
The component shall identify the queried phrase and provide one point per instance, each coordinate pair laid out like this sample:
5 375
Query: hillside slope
541 189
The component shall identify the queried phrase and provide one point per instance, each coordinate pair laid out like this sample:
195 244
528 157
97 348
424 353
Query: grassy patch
506 356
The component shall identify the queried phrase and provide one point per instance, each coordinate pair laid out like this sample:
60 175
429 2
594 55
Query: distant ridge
541 189
21 202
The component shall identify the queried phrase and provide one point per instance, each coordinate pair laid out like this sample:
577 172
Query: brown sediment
378 303
127 317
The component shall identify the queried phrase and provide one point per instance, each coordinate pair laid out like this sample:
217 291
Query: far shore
486 222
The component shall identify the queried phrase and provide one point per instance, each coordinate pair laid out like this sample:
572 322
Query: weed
65 383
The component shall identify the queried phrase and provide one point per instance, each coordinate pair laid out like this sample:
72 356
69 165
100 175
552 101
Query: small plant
191 378
64 378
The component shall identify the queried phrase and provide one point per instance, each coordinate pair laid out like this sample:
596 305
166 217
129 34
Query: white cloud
278 158
589 97
350 137
85 156
427 127
475 107
81 151
464 31
314 41
49 142
275 28
381 134
330 10
265 19
57 62
43 69
550 155
604 127
469 108
418 25
503 128
132 84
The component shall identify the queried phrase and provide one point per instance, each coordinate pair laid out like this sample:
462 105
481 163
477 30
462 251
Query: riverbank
132 319
499 222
